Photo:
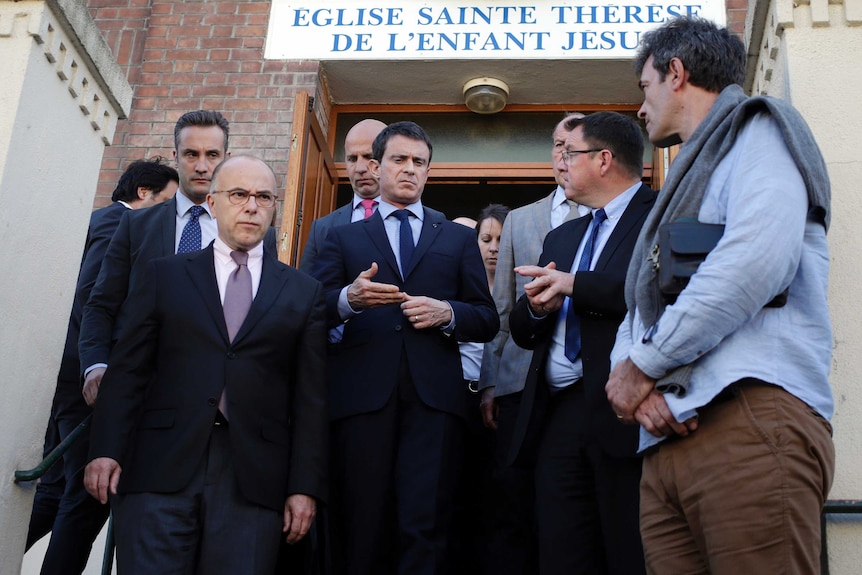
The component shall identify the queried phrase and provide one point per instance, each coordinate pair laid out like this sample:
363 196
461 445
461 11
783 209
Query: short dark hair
713 56
407 129
495 211
154 174
202 119
617 133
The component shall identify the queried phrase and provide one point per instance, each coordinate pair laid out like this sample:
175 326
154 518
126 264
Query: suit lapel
638 206
377 233
343 215
431 227
542 215
272 280
201 269
168 223
570 249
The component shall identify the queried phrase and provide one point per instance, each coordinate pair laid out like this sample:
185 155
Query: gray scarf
686 183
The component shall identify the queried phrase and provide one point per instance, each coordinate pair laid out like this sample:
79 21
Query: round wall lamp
486 95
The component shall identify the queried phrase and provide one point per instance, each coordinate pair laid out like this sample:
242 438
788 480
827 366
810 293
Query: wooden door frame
456 171
298 209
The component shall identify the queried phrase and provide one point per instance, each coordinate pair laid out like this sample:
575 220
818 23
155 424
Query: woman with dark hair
489 226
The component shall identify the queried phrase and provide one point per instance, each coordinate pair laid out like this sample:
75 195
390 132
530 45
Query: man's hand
489 409
655 416
91 385
424 312
364 293
548 289
100 475
627 388
299 511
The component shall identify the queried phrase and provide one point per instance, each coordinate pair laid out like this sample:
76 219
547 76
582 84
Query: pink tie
237 301
369 207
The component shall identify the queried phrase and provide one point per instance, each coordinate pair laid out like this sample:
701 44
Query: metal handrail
832 507
56 453
842 506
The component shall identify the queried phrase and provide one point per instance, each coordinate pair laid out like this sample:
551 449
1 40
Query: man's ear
144 192
374 168
677 75
211 204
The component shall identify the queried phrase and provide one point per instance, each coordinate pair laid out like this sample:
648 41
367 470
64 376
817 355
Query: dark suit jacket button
397 328
231 355
212 402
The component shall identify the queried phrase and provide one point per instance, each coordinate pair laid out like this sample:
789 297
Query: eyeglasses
570 155
240 197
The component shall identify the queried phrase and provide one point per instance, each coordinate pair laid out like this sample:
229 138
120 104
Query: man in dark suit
505 367
407 285
586 468
183 224
211 424
75 519
357 154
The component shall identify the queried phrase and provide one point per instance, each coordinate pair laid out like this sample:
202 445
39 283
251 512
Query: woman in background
474 511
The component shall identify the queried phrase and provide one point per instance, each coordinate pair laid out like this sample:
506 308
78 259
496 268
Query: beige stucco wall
812 56
57 113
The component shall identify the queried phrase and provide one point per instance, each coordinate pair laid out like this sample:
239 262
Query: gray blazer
319 228
504 364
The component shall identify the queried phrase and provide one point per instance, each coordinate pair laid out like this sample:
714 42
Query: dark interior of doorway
467 199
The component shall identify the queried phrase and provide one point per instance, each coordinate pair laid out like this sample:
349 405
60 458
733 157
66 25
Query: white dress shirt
224 266
559 371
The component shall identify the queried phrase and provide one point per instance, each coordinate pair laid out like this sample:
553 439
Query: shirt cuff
449 327
94 366
345 312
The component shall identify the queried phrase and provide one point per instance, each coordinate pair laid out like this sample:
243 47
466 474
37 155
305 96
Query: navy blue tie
406 238
573 323
190 240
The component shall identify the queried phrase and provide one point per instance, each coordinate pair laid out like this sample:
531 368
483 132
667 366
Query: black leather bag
683 245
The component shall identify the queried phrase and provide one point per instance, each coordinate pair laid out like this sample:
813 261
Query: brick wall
736 13
182 56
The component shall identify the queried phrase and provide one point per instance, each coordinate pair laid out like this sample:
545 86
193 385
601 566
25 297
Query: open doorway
467 198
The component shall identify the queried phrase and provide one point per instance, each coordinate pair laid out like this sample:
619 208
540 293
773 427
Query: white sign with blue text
397 30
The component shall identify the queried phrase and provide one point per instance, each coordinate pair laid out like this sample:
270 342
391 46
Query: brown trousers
743 493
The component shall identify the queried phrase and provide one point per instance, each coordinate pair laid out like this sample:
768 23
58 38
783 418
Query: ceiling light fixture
486 95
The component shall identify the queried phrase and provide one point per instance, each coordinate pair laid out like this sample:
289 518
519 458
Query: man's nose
251 204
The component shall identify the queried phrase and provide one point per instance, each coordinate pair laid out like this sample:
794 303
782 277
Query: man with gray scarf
732 394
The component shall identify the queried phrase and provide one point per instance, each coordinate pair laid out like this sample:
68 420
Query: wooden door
311 180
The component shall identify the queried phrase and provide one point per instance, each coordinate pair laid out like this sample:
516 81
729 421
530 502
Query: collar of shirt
224 265
125 204
358 212
615 208
184 204
561 208
386 209
559 198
